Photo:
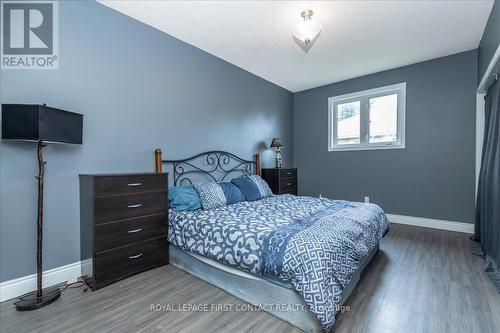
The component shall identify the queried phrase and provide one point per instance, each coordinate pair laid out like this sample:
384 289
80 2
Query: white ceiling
358 37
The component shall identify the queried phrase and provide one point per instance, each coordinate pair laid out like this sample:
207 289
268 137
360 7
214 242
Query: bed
296 257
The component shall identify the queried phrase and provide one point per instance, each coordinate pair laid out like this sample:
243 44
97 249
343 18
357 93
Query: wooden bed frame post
158 160
257 164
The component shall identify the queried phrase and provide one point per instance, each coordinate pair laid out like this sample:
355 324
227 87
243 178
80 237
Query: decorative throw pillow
253 187
264 189
248 187
183 198
231 192
211 195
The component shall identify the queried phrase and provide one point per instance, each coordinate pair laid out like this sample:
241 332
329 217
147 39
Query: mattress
237 272
259 290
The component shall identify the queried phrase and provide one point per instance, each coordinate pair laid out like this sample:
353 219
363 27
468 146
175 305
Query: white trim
374 91
467 228
370 146
20 286
363 97
480 105
483 85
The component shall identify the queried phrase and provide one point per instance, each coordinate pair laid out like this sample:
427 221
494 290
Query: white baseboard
467 228
20 286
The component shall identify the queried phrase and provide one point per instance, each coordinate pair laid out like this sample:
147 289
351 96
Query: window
370 119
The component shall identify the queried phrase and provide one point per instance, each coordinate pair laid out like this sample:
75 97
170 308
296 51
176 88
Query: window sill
373 147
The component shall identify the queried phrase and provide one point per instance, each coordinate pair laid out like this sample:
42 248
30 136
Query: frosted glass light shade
307 30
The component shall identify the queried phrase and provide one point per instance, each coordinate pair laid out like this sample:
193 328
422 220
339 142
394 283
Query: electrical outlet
367 199
72 280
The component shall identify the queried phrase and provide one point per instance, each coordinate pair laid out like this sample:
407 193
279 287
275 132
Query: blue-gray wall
138 89
433 176
490 40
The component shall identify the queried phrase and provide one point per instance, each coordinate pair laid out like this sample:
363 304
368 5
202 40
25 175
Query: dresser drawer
125 232
288 173
289 191
120 263
129 184
107 209
287 184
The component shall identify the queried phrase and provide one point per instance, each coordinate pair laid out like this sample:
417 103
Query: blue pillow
231 192
183 198
248 187
264 189
216 195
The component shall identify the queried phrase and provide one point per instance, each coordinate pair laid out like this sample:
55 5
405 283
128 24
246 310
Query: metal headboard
214 165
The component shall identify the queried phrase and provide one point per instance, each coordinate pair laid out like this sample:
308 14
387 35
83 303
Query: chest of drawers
281 181
123 225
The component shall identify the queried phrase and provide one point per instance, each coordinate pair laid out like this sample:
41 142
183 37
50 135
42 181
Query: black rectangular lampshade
35 122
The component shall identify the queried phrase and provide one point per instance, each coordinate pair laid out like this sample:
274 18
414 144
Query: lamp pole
39 233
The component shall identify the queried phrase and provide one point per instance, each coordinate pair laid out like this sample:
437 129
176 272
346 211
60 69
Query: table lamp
278 144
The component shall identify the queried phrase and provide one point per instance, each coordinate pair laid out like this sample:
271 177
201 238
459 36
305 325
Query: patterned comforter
315 244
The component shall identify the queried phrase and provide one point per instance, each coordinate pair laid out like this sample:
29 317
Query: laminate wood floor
422 280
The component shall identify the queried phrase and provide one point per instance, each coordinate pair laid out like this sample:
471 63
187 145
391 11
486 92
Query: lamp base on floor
31 302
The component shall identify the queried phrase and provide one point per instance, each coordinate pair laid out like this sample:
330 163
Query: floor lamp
43 125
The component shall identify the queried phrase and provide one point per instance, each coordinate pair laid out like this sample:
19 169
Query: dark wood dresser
281 181
123 225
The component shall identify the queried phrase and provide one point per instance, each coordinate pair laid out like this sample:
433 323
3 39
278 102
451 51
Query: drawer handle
288 184
288 173
134 184
136 256
134 206
134 231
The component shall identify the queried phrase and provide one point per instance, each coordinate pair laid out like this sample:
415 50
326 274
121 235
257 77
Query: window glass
383 118
348 123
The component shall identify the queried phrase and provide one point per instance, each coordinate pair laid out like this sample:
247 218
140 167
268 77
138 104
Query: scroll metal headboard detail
216 165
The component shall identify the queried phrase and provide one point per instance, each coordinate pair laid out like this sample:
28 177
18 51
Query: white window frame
363 97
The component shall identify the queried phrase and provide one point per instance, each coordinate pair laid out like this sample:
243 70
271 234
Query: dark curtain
487 223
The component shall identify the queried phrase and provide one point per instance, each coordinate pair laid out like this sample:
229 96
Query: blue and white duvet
315 244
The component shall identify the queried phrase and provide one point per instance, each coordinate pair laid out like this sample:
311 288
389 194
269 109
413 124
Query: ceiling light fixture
308 29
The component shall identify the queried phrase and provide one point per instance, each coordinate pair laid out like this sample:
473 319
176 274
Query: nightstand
281 181
123 225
